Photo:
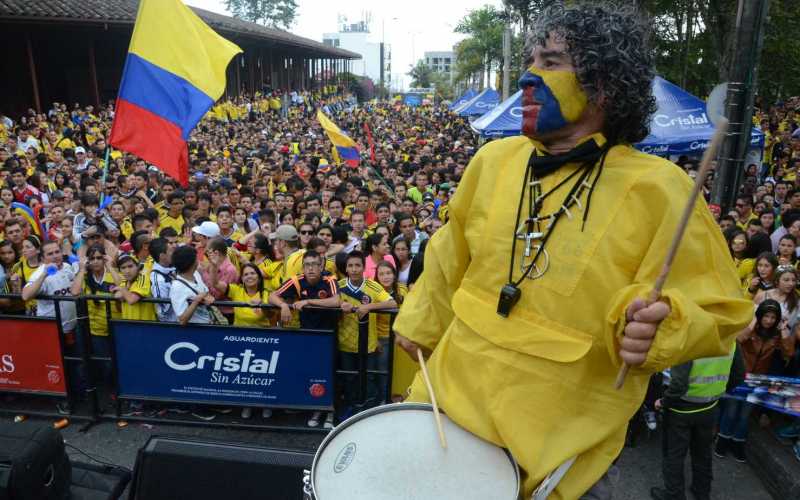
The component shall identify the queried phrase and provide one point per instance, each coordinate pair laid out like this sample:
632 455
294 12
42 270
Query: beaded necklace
537 228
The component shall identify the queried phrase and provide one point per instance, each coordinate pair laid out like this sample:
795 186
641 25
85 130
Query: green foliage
441 82
695 39
273 13
482 50
421 75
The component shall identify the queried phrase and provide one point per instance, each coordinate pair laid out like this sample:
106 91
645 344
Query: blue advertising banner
230 365
412 99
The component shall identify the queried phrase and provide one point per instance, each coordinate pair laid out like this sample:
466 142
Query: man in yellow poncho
534 293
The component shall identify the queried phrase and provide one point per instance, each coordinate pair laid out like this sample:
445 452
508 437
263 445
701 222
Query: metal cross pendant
530 252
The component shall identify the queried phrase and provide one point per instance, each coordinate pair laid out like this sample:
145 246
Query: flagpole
105 171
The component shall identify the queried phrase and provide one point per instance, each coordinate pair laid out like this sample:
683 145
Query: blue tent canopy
680 126
486 100
469 94
504 120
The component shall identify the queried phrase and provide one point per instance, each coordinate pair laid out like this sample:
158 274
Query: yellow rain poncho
541 382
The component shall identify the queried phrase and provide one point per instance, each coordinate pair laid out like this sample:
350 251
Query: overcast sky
411 26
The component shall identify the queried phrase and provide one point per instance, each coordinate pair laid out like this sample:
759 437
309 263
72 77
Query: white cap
80 149
208 229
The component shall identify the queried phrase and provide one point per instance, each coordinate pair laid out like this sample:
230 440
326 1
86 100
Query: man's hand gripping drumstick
643 317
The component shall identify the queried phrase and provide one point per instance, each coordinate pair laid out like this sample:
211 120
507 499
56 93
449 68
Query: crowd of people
270 216
762 231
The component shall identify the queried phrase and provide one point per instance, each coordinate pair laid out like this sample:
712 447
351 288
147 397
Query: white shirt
160 289
30 142
182 295
57 284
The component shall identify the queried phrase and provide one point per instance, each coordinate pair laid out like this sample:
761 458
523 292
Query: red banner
30 357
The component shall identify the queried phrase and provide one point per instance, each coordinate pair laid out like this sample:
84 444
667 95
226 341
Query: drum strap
551 480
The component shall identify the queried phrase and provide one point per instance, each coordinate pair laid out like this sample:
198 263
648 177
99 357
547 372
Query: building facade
357 38
441 62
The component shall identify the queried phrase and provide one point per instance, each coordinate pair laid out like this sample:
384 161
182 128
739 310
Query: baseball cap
57 194
208 229
80 149
427 197
284 232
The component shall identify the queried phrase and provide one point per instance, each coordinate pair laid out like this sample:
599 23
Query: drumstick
433 398
702 173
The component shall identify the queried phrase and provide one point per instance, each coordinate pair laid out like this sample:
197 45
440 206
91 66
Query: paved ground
640 466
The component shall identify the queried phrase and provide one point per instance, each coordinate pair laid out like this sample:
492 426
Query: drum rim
382 409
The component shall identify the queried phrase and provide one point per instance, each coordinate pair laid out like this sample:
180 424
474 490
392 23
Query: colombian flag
174 72
31 216
345 146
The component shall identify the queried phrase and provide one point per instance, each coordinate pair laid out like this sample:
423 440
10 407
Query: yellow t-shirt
292 265
271 271
98 324
369 292
127 228
173 222
245 316
140 311
25 271
383 321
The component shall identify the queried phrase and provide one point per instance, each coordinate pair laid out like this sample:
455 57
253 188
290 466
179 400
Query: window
447 60
435 60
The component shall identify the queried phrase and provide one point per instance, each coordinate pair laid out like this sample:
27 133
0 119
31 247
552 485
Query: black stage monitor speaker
33 463
172 468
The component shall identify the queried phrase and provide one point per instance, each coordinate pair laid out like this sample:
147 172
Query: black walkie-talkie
509 296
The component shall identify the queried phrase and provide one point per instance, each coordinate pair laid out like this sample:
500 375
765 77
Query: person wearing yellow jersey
251 291
737 244
134 287
359 296
27 265
744 207
174 214
97 276
286 241
403 367
533 293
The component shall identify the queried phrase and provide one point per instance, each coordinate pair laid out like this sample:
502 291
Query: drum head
393 452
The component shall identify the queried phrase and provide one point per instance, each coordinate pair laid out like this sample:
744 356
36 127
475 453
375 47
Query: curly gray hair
610 48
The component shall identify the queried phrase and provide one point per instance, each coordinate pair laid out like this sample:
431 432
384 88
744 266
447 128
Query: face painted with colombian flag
550 100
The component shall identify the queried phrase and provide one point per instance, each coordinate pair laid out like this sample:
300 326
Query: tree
694 42
523 12
484 46
421 75
272 13
441 82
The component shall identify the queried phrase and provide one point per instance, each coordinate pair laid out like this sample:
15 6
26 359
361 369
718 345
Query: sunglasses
306 232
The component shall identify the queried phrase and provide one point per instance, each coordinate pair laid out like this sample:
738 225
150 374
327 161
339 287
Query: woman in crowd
787 250
784 293
306 232
401 250
377 250
27 265
767 341
764 277
386 275
737 244
97 276
8 259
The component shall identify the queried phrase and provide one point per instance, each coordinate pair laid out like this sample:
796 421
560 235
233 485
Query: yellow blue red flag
346 147
174 72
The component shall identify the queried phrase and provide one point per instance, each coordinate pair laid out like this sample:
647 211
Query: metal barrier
86 404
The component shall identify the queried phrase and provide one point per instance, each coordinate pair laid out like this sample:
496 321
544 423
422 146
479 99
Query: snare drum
392 452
